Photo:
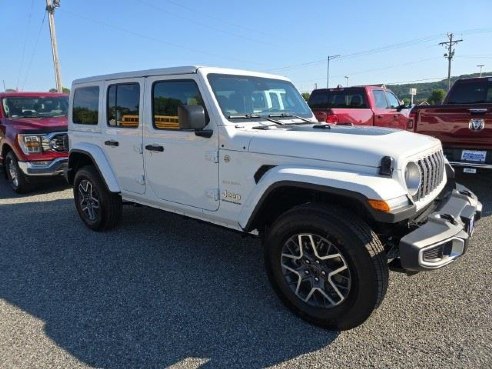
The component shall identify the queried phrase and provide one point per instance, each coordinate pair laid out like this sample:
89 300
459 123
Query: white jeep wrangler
335 205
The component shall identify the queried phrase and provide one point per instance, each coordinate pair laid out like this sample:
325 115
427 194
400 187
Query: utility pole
51 5
480 66
330 57
449 55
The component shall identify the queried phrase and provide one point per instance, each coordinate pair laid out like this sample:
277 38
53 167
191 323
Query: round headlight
412 178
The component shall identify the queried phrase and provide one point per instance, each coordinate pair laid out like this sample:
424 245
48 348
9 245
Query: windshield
255 97
35 107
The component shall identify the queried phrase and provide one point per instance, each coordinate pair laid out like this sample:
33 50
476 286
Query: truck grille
431 174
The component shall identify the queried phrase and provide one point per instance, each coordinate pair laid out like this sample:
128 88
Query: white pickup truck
335 206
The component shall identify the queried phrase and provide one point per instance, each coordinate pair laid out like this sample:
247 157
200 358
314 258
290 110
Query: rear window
338 98
471 92
85 105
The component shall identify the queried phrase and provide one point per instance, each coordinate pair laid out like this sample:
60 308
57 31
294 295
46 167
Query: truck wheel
98 208
326 265
15 177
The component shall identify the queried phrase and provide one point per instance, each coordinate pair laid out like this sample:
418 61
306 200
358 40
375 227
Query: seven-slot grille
431 174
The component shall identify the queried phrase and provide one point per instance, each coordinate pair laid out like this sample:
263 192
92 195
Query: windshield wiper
288 115
243 116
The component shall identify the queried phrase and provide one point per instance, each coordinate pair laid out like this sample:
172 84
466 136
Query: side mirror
191 117
401 107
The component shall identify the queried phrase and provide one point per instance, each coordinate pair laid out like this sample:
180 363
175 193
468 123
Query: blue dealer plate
474 156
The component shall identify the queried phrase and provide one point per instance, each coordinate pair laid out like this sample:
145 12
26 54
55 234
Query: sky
383 41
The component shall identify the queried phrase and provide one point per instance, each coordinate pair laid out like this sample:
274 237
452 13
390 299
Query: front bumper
445 235
44 168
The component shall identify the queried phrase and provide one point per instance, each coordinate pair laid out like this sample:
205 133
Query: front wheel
326 265
17 180
98 208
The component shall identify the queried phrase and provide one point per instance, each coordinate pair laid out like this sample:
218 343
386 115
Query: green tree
65 90
306 95
436 97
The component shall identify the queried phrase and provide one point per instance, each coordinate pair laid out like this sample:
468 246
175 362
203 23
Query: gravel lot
162 291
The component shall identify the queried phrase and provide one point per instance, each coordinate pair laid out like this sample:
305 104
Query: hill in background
424 90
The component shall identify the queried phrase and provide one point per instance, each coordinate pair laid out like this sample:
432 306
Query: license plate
470 170
475 156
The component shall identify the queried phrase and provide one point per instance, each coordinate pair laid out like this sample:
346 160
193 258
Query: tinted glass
380 99
85 105
338 98
123 105
392 100
246 95
471 92
167 96
36 107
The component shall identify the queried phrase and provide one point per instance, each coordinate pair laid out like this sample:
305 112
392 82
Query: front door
122 141
180 166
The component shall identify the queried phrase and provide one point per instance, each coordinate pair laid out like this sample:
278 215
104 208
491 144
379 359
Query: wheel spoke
315 270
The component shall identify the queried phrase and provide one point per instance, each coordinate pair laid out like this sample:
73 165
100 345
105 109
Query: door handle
111 143
154 148
379 116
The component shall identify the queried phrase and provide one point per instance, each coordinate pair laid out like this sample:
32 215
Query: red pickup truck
463 123
33 136
359 105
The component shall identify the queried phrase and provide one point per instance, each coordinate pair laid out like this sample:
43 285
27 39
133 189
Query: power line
21 65
33 52
154 39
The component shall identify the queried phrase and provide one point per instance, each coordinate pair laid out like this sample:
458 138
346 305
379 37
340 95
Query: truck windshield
354 98
255 97
35 107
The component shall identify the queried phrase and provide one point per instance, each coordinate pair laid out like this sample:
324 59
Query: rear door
122 124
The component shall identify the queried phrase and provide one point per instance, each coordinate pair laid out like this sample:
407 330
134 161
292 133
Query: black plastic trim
401 214
261 172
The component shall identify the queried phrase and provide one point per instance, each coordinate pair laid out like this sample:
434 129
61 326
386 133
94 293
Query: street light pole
480 66
330 57
346 79
51 5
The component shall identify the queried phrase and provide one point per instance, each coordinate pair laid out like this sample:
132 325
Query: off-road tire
360 252
98 208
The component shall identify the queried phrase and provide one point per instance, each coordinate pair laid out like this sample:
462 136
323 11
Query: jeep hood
343 144
38 124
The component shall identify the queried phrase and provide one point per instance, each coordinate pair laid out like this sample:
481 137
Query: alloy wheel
315 270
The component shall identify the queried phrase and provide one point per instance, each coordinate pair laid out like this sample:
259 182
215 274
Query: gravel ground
162 291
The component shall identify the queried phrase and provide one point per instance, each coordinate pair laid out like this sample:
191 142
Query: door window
380 99
123 105
167 96
393 101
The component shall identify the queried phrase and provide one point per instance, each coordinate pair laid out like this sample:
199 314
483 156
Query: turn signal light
380 205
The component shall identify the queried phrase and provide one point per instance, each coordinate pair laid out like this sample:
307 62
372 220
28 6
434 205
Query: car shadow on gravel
42 186
157 291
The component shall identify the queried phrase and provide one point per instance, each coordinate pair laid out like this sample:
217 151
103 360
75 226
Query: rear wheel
98 208
16 178
326 265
